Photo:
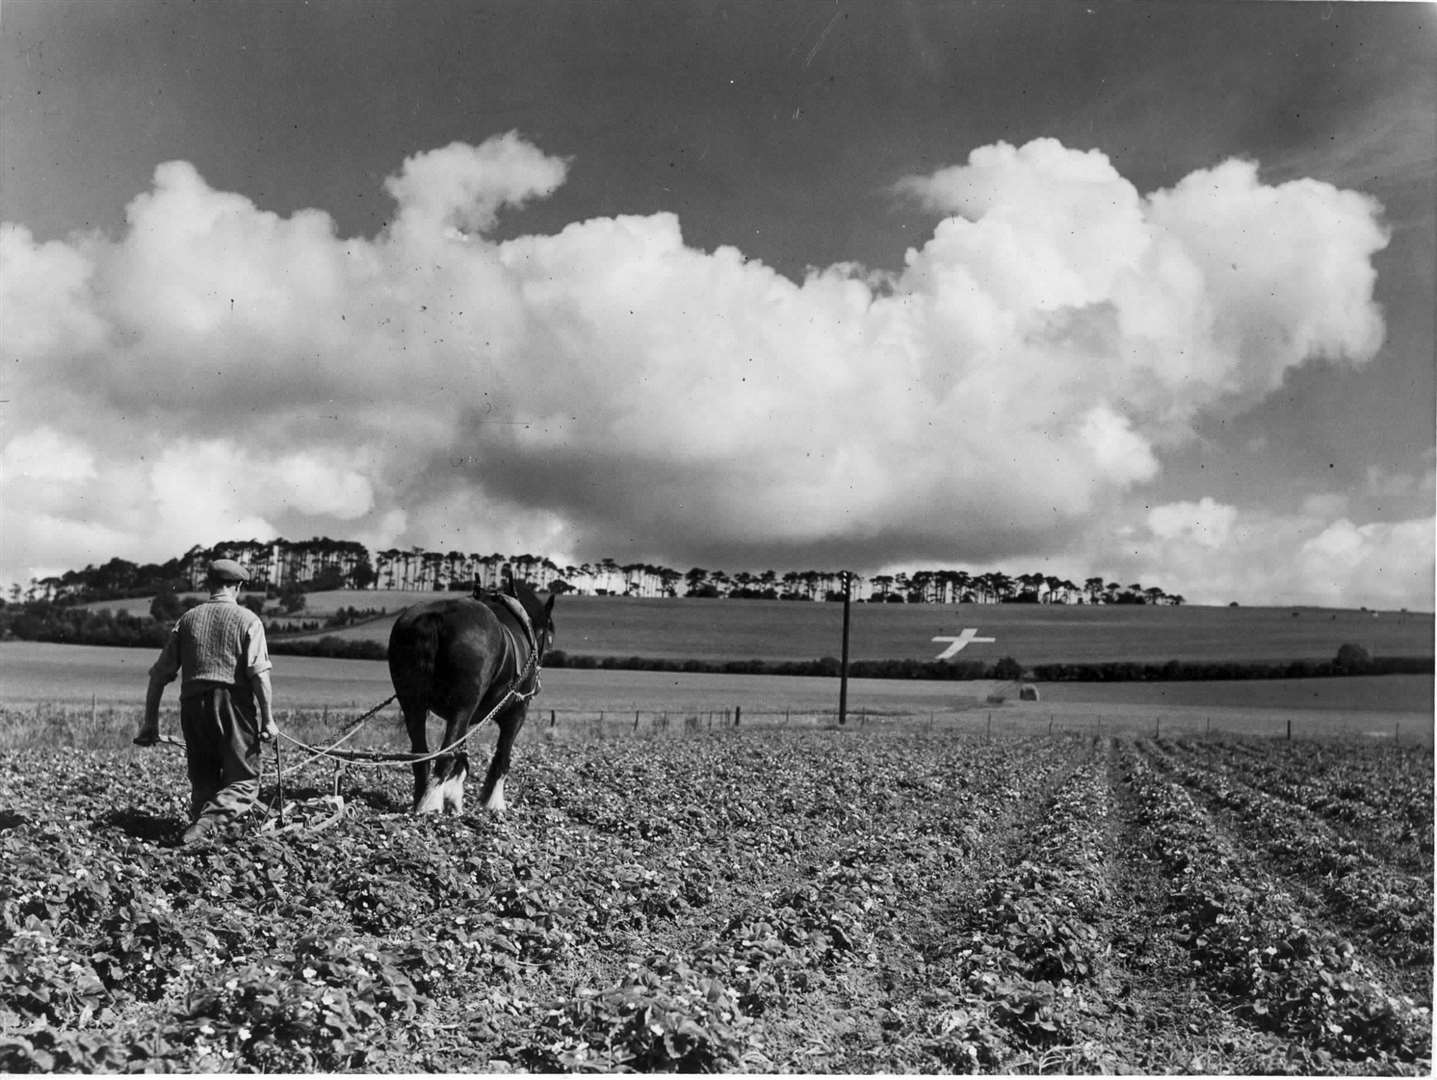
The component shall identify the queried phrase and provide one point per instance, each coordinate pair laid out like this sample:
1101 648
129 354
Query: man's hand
269 732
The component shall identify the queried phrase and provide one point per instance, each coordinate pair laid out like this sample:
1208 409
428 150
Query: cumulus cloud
1215 553
219 370
1203 524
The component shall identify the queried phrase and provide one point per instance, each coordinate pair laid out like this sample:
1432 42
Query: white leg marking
496 800
454 793
433 800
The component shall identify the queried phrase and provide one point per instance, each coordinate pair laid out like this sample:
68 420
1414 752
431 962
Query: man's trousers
223 747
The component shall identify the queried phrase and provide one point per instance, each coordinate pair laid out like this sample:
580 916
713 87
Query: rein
364 758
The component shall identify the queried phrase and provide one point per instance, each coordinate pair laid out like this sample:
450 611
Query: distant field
1032 634
71 677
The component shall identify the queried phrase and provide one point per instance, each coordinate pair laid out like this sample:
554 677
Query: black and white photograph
825 537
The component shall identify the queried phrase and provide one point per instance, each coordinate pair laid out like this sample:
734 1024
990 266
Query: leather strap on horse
516 609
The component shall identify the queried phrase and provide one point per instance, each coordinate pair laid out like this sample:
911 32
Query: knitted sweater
215 642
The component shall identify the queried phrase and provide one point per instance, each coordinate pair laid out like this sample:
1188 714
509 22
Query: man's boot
201 830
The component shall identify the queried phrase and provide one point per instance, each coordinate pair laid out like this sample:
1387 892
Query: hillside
777 630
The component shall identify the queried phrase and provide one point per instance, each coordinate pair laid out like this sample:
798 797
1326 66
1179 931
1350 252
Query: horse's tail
413 656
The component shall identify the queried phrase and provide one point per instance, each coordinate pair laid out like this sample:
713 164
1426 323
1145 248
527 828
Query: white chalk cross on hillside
967 637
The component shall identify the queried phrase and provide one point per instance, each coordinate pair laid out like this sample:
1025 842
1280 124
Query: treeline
82 626
1005 669
1209 670
287 569
828 666
77 626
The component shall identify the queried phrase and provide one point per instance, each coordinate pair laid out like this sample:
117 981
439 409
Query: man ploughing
218 649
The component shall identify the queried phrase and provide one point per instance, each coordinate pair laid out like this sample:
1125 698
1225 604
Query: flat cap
228 570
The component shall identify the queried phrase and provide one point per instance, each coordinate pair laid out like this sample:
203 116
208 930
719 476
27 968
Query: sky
1134 290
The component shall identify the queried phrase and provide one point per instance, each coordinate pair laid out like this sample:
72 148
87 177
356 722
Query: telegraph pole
843 665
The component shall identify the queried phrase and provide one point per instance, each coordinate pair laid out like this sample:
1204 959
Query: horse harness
515 692
529 671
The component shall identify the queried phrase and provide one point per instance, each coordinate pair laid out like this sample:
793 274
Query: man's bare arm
264 698
150 725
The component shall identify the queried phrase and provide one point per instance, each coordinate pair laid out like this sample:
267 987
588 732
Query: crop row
1392 910
1256 946
816 882
1382 795
646 908
1019 966
745 901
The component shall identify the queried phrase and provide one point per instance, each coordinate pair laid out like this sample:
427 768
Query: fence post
551 717
1157 727
1289 729
990 727
636 719
1050 723
1396 732
737 715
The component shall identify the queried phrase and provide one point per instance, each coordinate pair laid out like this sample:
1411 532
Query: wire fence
100 725
986 723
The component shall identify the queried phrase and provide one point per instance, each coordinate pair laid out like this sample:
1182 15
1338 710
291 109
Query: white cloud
609 388
44 455
462 188
1388 562
1204 523
1213 553
1387 483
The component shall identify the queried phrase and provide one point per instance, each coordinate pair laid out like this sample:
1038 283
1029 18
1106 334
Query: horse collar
517 610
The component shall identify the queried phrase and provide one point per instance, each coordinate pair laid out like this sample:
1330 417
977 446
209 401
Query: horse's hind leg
416 719
453 786
492 794
446 787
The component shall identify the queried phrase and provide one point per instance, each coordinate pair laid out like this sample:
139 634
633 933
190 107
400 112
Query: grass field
1033 634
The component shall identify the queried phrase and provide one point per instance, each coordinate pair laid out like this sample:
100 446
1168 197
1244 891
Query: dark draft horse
460 658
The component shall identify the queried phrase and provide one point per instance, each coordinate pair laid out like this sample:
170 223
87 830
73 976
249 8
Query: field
811 900
100 690
702 872
1034 634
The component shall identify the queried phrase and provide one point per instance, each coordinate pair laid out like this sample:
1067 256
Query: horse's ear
513 589
549 606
